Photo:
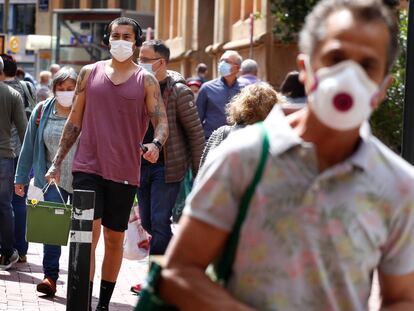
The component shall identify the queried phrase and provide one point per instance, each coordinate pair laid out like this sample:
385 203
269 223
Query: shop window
71 4
24 19
1 19
99 4
128 4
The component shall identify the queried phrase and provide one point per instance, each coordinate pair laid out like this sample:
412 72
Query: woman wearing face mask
39 148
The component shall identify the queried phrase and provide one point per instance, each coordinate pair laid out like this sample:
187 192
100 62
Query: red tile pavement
18 285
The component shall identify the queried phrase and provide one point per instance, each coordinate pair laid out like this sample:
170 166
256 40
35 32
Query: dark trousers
20 214
156 199
6 210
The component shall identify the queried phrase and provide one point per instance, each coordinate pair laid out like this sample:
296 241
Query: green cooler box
48 222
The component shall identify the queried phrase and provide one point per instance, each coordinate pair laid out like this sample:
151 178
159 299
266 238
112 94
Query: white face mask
342 96
121 50
224 69
65 98
148 67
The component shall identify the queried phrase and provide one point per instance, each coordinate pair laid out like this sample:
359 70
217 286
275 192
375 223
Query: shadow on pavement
57 299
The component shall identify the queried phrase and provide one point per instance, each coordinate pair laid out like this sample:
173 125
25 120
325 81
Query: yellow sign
2 43
14 44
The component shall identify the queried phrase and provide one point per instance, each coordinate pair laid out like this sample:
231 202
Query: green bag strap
224 266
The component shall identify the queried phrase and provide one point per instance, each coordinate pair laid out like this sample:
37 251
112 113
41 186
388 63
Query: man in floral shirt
333 205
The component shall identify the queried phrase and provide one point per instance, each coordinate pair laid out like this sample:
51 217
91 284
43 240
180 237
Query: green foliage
387 120
288 17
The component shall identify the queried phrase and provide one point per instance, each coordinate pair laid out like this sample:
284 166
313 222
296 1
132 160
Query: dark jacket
185 142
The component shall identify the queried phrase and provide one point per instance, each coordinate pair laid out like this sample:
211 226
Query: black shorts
113 201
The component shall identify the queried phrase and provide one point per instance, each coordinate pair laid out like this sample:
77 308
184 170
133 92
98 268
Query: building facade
202 30
17 24
76 27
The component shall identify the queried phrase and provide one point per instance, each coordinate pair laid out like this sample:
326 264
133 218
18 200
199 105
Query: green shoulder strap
224 266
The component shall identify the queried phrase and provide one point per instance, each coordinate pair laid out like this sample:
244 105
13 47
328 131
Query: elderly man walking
214 95
248 72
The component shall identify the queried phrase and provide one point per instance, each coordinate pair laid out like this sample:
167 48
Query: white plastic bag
136 243
34 192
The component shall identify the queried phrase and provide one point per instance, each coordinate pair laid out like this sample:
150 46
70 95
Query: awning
38 42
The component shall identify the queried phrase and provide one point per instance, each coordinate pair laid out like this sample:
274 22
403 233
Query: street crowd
292 183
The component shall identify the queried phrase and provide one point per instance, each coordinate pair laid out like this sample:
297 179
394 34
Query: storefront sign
2 39
14 44
43 5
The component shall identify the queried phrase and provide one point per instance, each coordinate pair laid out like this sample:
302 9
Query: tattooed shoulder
80 83
149 79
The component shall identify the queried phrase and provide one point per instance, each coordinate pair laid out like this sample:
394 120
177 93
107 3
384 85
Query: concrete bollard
80 251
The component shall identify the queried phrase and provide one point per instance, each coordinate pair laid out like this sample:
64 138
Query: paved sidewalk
18 285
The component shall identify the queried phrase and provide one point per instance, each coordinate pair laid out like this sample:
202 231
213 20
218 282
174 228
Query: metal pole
251 35
6 7
80 251
57 44
408 125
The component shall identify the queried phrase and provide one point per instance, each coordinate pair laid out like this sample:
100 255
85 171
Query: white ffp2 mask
342 96
121 50
65 98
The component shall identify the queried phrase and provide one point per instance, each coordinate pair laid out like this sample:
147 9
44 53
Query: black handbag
221 270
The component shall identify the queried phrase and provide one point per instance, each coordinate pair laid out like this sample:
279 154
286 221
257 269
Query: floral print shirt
311 240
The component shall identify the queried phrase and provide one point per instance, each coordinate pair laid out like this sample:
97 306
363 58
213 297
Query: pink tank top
114 124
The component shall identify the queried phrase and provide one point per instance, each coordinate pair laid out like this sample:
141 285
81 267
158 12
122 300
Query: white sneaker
7 262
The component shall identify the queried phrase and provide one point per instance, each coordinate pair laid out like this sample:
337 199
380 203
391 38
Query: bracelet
157 144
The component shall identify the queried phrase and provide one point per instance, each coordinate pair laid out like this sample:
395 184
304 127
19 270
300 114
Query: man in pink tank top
113 103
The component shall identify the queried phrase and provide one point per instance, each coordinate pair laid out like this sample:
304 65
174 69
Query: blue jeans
6 210
51 253
156 199
20 214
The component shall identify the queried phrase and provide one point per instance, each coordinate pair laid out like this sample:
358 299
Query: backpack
30 100
39 115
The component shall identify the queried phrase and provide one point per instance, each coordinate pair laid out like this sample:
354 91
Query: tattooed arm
73 125
156 111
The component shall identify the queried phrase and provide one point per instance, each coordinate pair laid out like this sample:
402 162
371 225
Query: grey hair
249 66
1 64
239 59
314 30
62 75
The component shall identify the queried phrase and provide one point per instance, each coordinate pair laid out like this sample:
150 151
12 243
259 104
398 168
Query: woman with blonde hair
250 106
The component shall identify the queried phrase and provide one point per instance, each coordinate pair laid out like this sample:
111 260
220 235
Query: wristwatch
157 143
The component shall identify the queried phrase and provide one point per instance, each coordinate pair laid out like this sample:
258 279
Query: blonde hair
252 104
45 76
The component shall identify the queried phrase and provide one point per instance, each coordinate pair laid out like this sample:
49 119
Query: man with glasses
214 95
160 181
